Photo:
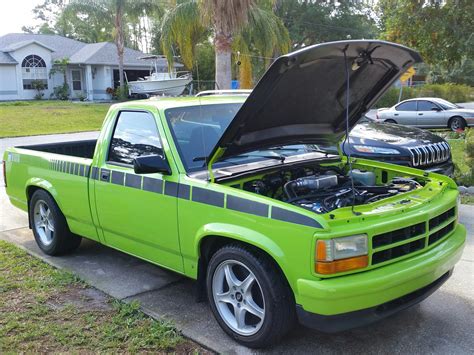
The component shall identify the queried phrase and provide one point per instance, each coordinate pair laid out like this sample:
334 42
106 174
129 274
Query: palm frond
182 26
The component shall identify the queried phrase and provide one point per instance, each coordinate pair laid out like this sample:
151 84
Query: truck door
137 213
430 115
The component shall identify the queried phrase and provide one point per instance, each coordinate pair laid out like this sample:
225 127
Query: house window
33 68
76 80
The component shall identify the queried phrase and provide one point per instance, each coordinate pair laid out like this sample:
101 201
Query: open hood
302 96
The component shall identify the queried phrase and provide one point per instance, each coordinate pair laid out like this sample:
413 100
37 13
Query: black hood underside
302 96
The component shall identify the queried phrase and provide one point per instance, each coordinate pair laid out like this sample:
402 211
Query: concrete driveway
441 324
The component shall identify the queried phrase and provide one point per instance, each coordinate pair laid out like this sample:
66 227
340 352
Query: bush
61 92
451 92
39 86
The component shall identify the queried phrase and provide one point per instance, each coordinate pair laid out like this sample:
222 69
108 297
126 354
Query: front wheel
49 225
248 296
457 123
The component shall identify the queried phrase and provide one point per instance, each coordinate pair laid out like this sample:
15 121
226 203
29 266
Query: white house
92 67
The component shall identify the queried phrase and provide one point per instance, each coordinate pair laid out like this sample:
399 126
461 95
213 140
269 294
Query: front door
76 78
430 115
137 213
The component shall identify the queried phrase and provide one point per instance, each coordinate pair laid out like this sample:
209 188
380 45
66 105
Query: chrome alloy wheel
43 222
238 297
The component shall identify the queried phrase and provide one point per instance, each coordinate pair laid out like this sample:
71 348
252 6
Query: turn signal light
332 267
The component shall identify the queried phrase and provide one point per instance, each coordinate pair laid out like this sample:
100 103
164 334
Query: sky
16 14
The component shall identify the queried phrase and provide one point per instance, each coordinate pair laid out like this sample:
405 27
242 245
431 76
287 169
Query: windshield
197 129
446 104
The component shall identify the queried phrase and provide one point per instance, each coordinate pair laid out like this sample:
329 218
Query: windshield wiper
274 157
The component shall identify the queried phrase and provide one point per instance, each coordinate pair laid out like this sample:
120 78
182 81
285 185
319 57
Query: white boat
160 83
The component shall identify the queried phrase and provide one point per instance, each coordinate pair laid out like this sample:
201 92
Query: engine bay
322 189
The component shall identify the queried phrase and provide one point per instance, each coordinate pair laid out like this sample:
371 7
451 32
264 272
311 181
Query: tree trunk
223 48
119 41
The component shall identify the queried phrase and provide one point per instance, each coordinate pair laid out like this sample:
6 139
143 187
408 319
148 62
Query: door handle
395 114
104 175
420 114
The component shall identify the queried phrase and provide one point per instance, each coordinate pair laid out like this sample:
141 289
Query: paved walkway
441 324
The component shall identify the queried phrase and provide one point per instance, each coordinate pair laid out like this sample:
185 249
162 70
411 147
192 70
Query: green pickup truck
246 195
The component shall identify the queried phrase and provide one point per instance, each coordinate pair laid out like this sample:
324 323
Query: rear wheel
249 297
457 123
49 225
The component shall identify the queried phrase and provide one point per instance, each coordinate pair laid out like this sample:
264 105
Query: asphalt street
441 324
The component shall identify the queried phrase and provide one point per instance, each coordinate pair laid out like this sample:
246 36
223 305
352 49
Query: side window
426 105
407 106
135 135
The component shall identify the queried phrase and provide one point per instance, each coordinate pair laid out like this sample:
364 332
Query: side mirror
151 164
437 109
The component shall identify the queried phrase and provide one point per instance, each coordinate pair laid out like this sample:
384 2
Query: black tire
456 123
61 240
390 121
278 301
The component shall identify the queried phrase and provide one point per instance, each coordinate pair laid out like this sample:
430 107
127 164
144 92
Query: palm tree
247 26
116 10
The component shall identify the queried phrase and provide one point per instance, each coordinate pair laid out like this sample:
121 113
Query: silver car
427 112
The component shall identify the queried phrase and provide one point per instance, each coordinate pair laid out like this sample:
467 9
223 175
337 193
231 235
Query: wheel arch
36 184
209 243
390 120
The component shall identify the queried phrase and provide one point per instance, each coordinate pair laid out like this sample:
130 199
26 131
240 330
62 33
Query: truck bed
81 149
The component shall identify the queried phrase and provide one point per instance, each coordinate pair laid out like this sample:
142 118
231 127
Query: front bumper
348 301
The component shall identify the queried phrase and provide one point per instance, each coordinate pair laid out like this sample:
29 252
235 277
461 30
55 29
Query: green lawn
25 118
43 309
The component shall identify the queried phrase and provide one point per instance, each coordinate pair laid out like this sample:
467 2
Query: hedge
451 92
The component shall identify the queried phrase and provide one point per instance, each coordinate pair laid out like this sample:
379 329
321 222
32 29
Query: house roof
6 58
104 53
21 44
62 47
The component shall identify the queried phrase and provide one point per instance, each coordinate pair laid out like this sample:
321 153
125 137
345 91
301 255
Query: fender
245 235
45 185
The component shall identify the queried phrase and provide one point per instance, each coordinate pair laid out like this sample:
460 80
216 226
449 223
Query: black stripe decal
81 170
171 188
293 217
184 191
134 181
117 177
247 206
152 185
88 170
208 197
76 169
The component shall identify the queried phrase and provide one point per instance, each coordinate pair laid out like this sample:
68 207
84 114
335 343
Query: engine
325 189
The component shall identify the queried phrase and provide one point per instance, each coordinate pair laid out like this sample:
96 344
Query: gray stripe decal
293 217
247 206
117 177
208 197
134 181
152 185
184 191
171 188
200 195
95 173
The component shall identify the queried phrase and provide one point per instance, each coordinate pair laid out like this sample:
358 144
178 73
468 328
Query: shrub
39 86
451 92
61 92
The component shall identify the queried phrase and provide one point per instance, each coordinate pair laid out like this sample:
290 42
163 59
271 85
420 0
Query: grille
398 235
441 233
430 154
425 232
440 219
401 250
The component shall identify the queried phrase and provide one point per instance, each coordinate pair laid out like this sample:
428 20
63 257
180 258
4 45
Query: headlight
341 254
375 150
